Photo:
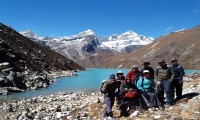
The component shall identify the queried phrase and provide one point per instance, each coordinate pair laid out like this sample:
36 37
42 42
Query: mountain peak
130 32
88 32
29 34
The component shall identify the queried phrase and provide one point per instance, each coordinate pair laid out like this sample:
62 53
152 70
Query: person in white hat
148 90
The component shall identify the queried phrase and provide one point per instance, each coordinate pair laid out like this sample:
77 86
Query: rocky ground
18 81
90 106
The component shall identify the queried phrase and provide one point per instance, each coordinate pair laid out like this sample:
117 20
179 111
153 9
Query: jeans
176 84
109 101
165 86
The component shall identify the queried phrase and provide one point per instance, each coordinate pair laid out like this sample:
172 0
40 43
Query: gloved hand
125 89
116 91
180 82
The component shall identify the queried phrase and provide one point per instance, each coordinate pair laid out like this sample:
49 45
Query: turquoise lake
89 80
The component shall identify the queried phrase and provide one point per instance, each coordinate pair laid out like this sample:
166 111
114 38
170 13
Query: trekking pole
146 101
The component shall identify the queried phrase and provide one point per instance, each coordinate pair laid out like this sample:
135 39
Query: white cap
146 71
119 72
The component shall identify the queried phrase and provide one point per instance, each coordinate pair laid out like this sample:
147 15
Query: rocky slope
90 106
183 45
24 63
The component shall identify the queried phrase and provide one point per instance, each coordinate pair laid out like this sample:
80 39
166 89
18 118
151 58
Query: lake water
89 80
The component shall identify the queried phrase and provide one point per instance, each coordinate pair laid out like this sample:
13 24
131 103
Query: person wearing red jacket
133 74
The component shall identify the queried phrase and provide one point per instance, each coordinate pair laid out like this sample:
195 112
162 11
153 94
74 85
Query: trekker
150 69
133 74
120 79
120 76
148 90
177 82
151 72
163 76
108 89
127 93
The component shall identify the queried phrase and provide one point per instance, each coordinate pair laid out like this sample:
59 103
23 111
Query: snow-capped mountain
30 34
120 42
86 43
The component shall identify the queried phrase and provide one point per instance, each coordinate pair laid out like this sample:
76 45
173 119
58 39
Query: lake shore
89 105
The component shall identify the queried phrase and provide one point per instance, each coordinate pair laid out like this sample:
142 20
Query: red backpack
130 95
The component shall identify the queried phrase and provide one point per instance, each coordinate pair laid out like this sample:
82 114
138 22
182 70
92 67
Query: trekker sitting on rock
151 71
148 91
133 74
128 92
108 89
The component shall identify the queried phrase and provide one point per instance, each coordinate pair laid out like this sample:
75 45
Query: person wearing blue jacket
148 90
177 82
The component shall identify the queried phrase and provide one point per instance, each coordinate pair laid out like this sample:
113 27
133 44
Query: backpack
102 86
130 95
137 77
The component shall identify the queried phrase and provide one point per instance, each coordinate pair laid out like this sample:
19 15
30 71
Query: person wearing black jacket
108 89
119 80
177 82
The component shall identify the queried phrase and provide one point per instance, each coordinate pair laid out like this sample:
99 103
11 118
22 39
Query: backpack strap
142 82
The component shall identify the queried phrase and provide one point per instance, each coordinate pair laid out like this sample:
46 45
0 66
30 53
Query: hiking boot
110 114
168 105
160 108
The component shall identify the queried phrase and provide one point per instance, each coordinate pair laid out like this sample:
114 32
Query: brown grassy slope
182 45
36 56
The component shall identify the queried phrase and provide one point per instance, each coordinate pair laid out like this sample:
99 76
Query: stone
157 117
58 115
135 114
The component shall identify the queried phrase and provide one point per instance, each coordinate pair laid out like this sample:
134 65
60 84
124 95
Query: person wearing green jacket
164 75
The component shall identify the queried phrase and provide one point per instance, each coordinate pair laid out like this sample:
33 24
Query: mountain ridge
182 45
15 40
89 43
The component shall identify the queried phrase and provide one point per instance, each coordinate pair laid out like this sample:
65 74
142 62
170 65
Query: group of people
147 84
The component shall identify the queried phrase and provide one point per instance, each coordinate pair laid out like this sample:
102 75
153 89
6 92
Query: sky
58 18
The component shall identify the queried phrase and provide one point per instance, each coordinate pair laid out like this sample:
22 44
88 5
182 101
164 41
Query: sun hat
146 71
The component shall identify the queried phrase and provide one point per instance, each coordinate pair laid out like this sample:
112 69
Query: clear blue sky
105 17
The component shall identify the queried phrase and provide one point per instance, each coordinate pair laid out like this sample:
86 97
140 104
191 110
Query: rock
85 114
7 70
108 118
4 65
9 108
58 115
98 100
135 114
14 89
3 91
12 75
157 117
24 113
46 118
58 108
69 117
